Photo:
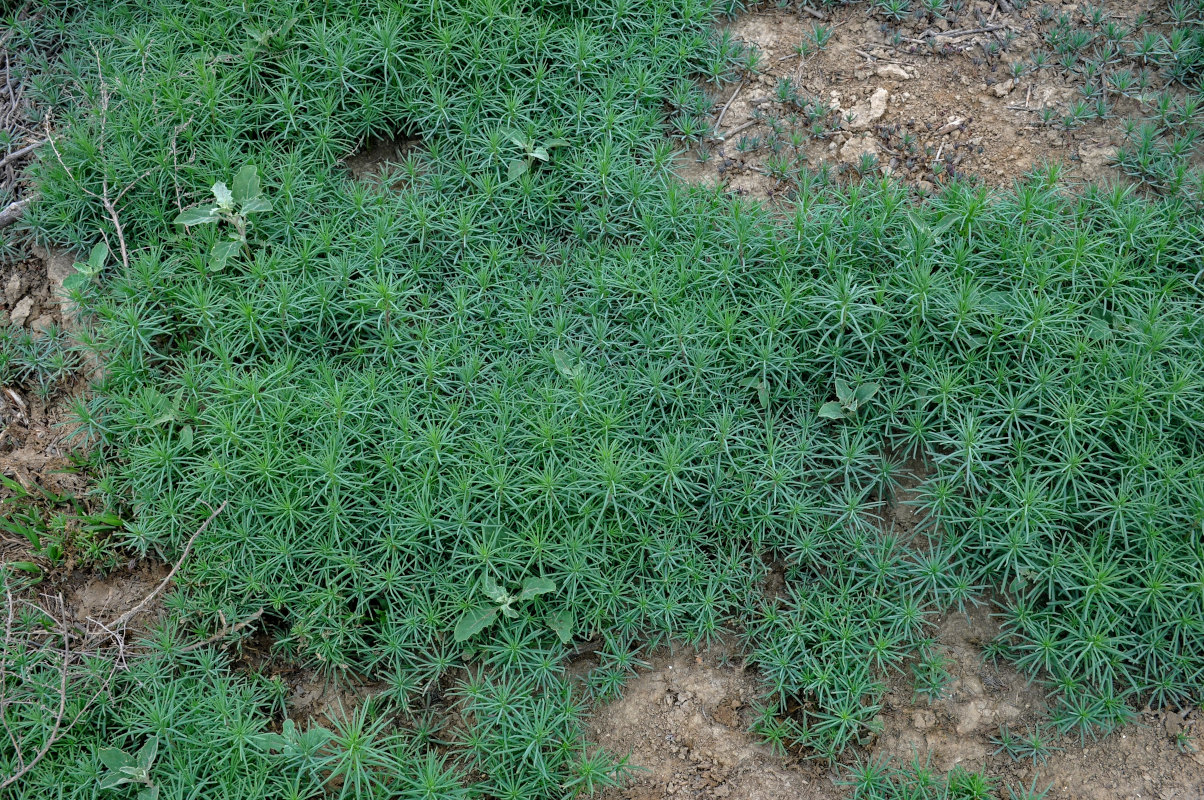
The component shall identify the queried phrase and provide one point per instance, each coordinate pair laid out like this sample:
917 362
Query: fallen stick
12 212
971 31
727 105
743 127
14 155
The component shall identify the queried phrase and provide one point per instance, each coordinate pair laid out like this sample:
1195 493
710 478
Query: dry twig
727 105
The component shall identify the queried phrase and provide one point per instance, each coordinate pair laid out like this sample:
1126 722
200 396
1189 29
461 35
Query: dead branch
12 212
727 105
16 154
971 31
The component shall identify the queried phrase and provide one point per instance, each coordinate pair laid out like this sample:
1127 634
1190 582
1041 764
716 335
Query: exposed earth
686 722
924 100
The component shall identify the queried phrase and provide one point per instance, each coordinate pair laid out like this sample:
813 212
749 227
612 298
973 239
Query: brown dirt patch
913 106
685 723
311 696
374 160
317 699
105 597
32 290
905 516
1138 761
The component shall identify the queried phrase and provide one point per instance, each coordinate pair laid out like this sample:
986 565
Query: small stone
864 115
861 74
42 323
942 24
60 265
892 71
923 719
1008 712
21 311
12 289
1097 159
878 103
1003 89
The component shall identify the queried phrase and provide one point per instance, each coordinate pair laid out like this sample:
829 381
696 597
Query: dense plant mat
526 392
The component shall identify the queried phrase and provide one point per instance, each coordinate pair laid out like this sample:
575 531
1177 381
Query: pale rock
1004 88
21 311
861 74
923 719
60 265
1097 159
892 71
969 717
12 289
866 114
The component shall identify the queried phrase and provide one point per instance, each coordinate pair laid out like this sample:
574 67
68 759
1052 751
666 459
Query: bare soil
1138 761
373 161
685 724
907 104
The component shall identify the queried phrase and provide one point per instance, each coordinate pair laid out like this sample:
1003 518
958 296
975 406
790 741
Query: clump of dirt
924 100
32 290
905 516
685 723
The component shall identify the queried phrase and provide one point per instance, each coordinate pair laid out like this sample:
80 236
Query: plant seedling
85 271
477 619
532 154
232 206
124 768
848 400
